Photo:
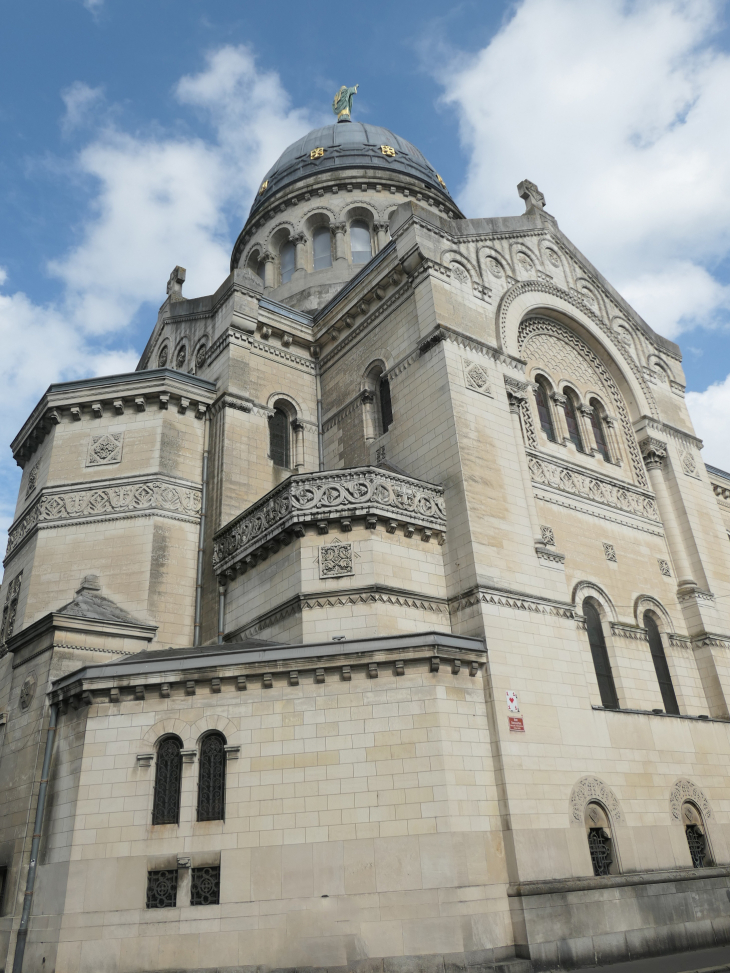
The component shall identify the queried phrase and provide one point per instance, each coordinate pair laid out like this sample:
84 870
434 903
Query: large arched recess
533 298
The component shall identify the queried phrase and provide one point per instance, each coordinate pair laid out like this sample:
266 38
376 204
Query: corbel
140 403
190 687
97 410
183 406
215 685
119 407
319 675
373 670
145 759
76 413
139 692
268 680
188 756
164 400
232 752
241 683
400 667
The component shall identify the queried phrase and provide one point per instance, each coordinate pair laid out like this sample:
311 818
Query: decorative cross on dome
534 199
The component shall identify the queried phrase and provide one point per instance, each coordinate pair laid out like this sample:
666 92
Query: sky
134 133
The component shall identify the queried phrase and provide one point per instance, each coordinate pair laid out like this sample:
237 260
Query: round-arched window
599 433
322 248
543 410
571 420
360 243
287 262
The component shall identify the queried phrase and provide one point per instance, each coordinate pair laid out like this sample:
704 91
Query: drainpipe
320 439
39 812
201 537
221 608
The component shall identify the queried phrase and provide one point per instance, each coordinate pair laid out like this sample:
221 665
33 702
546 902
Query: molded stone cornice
366 492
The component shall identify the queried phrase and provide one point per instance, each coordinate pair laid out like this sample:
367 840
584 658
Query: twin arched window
211 780
571 409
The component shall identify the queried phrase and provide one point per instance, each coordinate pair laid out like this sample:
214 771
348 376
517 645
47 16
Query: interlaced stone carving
685 790
459 274
476 377
697 845
547 534
689 464
200 356
610 551
181 357
593 789
33 479
599 845
27 691
168 777
335 560
105 449
122 500
162 888
560 349
664 567
10 609
332 495
205 885
626 498
212 778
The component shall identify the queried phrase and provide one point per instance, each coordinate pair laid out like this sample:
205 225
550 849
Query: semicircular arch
648 603
589 589
591 789
215 723
168 727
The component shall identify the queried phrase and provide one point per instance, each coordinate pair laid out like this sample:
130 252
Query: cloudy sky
133 134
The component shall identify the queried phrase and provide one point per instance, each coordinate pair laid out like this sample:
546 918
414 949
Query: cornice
509 598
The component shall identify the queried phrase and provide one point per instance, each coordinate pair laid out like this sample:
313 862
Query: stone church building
379 621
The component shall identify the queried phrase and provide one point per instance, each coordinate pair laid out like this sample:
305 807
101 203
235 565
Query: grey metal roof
348 145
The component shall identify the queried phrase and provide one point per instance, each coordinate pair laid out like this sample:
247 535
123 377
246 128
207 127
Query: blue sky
134 133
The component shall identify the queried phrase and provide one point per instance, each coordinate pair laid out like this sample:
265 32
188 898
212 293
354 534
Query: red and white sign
512 705
516 724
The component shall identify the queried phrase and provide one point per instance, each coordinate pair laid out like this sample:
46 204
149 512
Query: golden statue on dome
342 104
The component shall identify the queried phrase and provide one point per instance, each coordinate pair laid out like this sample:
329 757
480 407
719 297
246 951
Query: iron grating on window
212 779
697 846
162 889
205 885
600 847
168 776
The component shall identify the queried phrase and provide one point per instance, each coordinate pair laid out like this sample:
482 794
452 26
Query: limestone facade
379 620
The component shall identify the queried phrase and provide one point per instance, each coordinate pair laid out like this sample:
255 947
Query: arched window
694 829
599 839
286 256
322 247
212 778
279 438
543 410
168 776
601 663
261 269
360 243
661 668
386 407
571 420
598 430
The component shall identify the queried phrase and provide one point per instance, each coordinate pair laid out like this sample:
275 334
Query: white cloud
159 200
93 6
709 411
3 275
617 111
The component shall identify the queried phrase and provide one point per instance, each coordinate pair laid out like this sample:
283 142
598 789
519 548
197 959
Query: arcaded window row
587 424
211 779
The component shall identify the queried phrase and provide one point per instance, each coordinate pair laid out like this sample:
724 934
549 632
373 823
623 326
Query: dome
347 145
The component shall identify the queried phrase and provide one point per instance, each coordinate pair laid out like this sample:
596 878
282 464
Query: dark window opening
599 844
598 433
212 779
543 411
279 438
661 668
386 406
205 885
571 420
287 257
697 845
601 663
360 243
168 777
162 889
322 248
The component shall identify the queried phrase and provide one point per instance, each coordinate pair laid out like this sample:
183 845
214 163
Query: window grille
661 668
168 776
598 434
162 889
205 885
279 438
287 259
601 664
360 244
212 779
543 411
697 845
386 406
571 420
600 847
322 247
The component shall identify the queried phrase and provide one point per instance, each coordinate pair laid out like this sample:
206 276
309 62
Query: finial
89 582
174 284
534 199
342 103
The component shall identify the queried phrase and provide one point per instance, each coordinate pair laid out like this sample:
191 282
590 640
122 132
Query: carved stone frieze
10 609
314 497
589 789
621 497
105 502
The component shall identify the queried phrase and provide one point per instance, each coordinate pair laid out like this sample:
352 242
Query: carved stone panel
476 377
685 790
27 691
105 450
33 479
593 789
10 609
335 560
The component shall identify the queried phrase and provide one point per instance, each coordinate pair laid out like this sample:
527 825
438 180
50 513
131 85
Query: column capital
367 396
338 227
558 399
586 410
653 452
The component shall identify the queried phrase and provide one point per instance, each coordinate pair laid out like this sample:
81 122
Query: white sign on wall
512 705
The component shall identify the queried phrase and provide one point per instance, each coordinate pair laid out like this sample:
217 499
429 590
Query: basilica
379 621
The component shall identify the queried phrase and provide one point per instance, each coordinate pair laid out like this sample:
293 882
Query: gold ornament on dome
387 150
441 180
342 102
264 186
317 153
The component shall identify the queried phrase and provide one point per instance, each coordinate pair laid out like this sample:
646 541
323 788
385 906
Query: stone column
382 231
655 453
586 429
339 230
612 440
561 426
268 259
298 430
368 407
300 254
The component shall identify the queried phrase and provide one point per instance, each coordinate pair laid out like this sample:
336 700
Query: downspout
320 434
221 608
201 537
39 812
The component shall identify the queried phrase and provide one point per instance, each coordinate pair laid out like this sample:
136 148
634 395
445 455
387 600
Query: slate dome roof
348 145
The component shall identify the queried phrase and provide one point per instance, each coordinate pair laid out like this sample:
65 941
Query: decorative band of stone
623 631
624 497
315 497
104 502
506 599
712 640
